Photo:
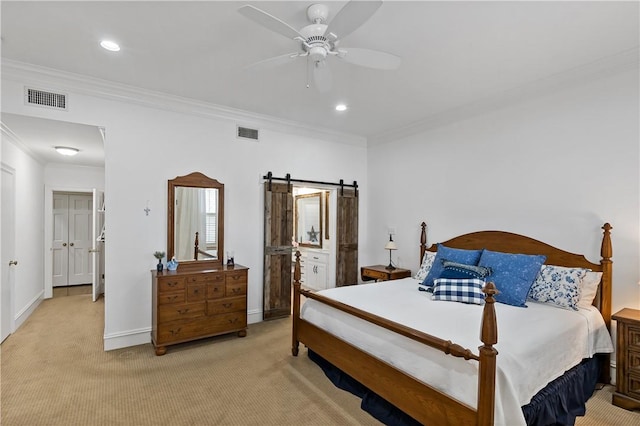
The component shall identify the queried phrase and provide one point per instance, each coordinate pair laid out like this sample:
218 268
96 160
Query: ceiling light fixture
65 150
110 45
341 107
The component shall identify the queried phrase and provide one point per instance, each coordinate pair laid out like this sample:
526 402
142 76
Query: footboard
419 400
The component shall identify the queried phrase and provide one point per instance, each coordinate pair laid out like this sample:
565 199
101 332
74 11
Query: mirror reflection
196 223
308 225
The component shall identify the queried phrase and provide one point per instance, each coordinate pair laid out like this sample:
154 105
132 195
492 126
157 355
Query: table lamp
391 245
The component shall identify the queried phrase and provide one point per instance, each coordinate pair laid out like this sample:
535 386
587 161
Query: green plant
158 255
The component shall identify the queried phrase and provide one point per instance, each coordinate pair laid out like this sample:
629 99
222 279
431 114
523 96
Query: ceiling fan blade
369 58
269 21
274 61
322 77
350 17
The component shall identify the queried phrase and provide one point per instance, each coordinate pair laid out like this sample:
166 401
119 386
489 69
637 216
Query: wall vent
45 98
247 133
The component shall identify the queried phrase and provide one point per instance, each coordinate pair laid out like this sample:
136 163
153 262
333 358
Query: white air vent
247 133
45 98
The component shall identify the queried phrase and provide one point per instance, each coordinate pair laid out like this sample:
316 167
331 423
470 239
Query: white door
60 243
97 242
71 245
9 264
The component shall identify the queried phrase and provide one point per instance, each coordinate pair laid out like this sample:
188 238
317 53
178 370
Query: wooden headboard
514 243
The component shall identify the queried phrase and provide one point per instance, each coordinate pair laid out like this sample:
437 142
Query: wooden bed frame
419 400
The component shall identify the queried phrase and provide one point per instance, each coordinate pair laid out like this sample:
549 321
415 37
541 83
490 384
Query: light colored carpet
54 372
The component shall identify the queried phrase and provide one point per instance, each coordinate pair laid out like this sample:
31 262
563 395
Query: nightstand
627 394
381 273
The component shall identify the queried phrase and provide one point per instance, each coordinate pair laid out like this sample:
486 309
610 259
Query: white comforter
535 344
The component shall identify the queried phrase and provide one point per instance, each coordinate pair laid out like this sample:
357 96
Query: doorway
9 263
71 240
341 259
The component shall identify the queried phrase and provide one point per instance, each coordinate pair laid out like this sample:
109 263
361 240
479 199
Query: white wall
554 167
145 147
29 240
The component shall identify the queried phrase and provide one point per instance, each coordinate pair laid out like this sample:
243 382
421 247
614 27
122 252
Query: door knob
64 244
13 262
71 244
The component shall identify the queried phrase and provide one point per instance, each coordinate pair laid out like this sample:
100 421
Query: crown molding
11 137
46 77
624 61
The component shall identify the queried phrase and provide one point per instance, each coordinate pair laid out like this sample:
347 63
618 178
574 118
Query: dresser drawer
236 277
215 290
208 326
196 292
235 289
170 284
223 306
633 385
181 311
633 362
171 297
376 275
633 337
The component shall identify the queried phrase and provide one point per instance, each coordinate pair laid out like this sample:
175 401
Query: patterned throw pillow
459 290
461 270
425 267
513 274
558 286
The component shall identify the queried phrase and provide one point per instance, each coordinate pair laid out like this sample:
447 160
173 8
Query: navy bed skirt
557 404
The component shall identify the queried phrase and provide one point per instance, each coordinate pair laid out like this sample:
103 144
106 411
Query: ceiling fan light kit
319 40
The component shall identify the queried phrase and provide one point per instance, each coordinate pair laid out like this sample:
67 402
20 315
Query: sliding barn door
278 230
347 237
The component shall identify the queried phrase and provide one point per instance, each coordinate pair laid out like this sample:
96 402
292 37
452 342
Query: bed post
423 242
296 305
487 367
606 252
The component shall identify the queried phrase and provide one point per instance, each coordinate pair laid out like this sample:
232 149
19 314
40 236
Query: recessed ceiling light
341 107
110 45
65 150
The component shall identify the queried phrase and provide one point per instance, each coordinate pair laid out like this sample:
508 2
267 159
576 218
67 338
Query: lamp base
390 267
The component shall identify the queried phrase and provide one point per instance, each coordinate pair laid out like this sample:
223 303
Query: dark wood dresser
189 305
627 394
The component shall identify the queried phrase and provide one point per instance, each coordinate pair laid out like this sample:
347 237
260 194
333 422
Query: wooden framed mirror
308 225
195 221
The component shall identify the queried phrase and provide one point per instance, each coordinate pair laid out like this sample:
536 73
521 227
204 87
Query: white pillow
425 267
589 288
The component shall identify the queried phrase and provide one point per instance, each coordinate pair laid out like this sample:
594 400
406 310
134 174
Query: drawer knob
227 305
174 332
183 311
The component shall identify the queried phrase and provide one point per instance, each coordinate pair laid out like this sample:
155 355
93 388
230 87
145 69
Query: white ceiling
453 53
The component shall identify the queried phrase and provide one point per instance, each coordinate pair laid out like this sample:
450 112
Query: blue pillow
460 270
469 257
513 274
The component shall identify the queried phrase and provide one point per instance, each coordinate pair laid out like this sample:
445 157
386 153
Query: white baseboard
254 316
124 339
25 312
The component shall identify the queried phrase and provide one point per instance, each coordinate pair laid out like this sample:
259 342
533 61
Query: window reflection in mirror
196 211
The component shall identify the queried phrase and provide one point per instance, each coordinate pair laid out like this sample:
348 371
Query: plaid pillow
459 290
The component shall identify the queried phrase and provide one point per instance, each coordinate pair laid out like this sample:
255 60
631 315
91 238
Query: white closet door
60 243
80 232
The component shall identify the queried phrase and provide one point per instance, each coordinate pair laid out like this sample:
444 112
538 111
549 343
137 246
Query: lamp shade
391 245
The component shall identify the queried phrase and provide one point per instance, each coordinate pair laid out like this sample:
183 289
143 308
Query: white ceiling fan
319 40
